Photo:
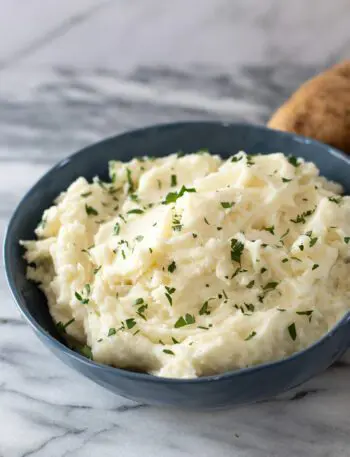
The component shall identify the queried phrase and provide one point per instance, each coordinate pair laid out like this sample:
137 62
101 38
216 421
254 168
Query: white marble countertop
73 72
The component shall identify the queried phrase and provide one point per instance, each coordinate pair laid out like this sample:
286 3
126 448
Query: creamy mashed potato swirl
190 266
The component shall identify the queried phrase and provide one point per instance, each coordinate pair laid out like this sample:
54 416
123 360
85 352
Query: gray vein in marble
48 38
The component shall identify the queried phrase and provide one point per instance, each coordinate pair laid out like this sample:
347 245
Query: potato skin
320 108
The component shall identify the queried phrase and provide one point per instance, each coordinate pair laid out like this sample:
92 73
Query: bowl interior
223 139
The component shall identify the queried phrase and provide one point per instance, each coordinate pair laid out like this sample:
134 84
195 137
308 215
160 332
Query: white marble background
72 72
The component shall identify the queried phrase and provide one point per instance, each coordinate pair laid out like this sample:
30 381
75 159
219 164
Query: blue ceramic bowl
223 390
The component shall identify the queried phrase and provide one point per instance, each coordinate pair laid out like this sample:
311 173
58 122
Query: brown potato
320 108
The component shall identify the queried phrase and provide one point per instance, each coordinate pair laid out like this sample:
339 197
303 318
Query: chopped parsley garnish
205 309
86 351
90 211
169 292
135 211
292 331
150 250
176 223
194 235
236 158
139 238
140 311
305 313
97 269
313 241
227 205
123 254
86 194
336 200
173 196
285 260
172 267
270 285
301 247
206 221
112 331
168 351
282 310
250 307
250 160
250 285
175 340
134 197
139 301
293 161
116 229
236 250
250 336
182 321
314 266
300 219
286 180
347 239
83 297
173 181
285 234
263 270
62 327
224 294
296 258
130 323
130 181
270 229
202 327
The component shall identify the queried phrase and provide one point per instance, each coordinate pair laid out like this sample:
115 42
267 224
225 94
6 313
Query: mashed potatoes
190 266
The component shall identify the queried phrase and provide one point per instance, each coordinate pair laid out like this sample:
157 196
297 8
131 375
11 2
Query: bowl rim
52 341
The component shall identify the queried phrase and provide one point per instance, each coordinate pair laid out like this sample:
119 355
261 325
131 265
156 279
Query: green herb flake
86 194
301 247
236 158
270 285
172 267
281 310
250 336
130 323
169 298
62 327
188 319
227 205
171 197
90 211
116 229
139 238
131 187
285 260
270 229
168 351
112 331
292 331
175 340
263 270
347 239
300 219
97 269
293 161
336 200
86 351
205 309
305 313
250 285
135 211
236 250
173 180
206 221
286 180
170 290
194 235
